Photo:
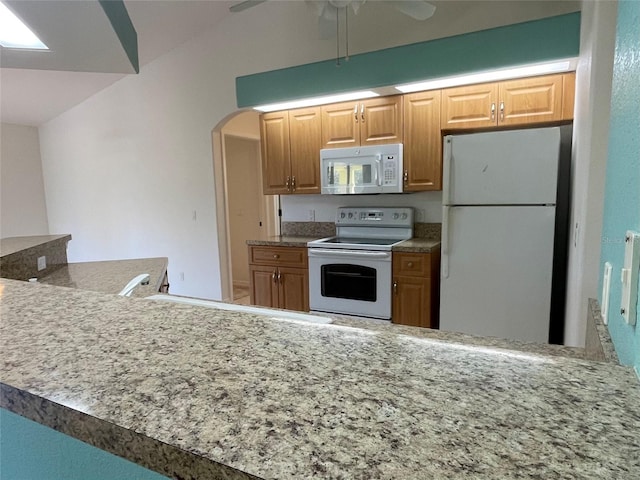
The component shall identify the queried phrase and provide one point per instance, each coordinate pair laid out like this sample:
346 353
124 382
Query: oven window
353 282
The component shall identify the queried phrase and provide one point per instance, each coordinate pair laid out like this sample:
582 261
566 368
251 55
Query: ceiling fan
328 9
329 13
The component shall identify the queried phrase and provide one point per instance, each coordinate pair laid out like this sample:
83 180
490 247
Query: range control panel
375 216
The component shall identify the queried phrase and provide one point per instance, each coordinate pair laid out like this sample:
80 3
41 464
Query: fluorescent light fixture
310 102
15 34
564 65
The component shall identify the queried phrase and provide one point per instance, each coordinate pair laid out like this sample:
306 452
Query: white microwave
362 170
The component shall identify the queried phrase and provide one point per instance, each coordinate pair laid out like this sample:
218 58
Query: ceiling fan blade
416 9
239 7
327 23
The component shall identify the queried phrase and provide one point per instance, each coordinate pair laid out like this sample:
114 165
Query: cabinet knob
273 276
501 110
293 183
275 255
395 287
493 111
355 112
288 183
362 112
406 176
409 264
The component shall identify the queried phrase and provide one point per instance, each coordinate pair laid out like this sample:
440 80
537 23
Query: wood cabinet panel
381 121
305 142
293 284
422 142
416 283
274 130
472 106
279 277
278 256
340 125
412 301
568 95
530 100
412 264
263 291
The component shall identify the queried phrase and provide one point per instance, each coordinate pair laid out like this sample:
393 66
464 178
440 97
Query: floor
241 295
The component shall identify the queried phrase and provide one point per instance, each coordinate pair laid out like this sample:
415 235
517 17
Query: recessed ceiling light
310 102
15 34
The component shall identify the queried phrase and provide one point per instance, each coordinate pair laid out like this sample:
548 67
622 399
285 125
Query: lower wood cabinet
416 283
279 277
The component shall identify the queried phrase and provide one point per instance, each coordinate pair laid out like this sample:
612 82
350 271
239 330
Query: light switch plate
629 277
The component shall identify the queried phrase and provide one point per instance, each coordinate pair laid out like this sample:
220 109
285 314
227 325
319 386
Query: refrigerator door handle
445 242
446 170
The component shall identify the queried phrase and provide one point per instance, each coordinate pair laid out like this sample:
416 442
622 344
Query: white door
496 271
502 168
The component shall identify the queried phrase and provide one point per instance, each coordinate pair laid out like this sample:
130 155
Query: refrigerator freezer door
499 266
502 168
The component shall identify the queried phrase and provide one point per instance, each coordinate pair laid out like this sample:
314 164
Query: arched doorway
243 213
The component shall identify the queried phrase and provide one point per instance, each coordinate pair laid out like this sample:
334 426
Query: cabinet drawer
412 264
278 256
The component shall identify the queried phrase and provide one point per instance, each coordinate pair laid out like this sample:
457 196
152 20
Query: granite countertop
417 245
11 245
283 241
110 276
197 393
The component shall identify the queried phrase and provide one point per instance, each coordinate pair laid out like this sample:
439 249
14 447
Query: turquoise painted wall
622 185
30 451
535 41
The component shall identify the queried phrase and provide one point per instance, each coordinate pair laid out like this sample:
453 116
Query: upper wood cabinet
514 102
366 122
568 95
290 151
472 106
422 142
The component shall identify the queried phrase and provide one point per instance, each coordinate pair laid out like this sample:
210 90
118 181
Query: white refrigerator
499 196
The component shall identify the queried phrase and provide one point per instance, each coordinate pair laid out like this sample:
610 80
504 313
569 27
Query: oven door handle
325 252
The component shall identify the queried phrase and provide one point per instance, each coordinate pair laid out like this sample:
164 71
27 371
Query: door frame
269 204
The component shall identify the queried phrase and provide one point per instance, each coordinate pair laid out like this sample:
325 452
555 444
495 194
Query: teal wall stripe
29 450
121 22
534 41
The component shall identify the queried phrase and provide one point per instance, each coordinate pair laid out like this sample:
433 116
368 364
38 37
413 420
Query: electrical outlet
420 214
182 276
42 263
311 216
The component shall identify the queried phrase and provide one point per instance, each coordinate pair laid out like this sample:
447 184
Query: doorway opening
243 212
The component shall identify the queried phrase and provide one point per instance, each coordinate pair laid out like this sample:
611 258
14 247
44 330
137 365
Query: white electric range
351 272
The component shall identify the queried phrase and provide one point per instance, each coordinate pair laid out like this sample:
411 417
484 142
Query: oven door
352 282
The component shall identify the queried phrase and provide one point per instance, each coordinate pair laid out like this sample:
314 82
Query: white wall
126 170
22 203
593 98
296 208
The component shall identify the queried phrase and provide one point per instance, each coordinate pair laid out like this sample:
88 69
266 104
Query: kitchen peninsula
192 392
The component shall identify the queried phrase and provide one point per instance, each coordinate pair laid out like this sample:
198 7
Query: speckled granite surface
603 340
431 231
194 393
308 229
283 241
417 245
19 255
110 276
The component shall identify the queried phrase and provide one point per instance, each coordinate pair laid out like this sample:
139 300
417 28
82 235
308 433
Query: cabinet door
263 286
568 95
381 120
305 141
276 169
422 142
340 125
293 286
530 100
472 106
412 301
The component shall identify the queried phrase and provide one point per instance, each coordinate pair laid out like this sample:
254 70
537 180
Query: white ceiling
32 97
